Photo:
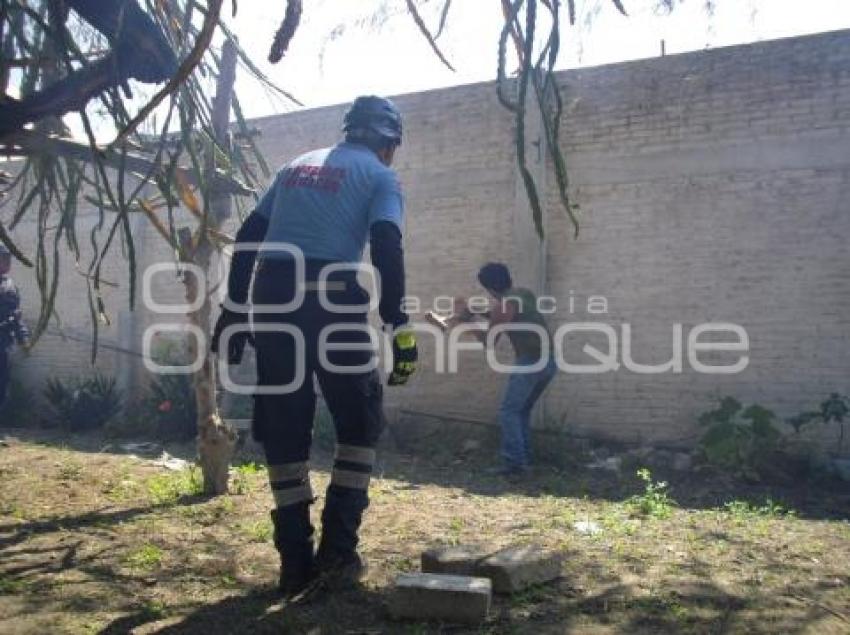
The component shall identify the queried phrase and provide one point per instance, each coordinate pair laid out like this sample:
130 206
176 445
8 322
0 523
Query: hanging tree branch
546 93
286 31
186 68
140 53
414 12
136 39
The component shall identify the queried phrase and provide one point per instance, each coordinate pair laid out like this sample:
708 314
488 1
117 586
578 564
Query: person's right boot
293 538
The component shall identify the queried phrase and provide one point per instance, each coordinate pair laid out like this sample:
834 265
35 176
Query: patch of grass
154 610
243 476
258 531
406 564
121 489
146 557
654 502
456 526
11 586
614 521
251 468
743 510
88 628
530 596
228 581
168 488
13 510
663 606
70 471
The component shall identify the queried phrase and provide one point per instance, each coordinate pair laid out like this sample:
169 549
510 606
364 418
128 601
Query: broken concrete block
449 598
459 560
516 568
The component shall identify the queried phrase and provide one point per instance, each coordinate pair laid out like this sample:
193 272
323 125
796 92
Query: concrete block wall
713 186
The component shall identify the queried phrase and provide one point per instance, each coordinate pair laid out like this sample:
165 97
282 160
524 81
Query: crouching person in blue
12 328
327 203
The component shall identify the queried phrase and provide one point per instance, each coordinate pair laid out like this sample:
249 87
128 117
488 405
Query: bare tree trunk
216 438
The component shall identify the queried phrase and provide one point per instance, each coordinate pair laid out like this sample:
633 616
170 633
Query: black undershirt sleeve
388 258
253 230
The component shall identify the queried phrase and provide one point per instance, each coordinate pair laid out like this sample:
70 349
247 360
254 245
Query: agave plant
83 404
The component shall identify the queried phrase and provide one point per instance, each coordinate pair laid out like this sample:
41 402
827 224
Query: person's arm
388 258
386 214
386 218
253 230
501 312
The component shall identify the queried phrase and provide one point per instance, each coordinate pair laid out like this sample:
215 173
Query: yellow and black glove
405 356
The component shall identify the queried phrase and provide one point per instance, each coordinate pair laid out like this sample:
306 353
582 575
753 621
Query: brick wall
713 186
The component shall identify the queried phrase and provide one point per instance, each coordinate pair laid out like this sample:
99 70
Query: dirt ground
96 541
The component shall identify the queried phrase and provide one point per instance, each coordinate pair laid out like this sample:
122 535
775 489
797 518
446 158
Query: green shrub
83 404
832 410
738 439
18 408
744 510
655 501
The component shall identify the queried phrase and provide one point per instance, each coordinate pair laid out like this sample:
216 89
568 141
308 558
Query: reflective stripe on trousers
290 483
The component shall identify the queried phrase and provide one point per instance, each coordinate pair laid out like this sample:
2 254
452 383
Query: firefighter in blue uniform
12 328
327 203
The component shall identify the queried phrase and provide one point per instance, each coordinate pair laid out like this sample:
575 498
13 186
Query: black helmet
376 115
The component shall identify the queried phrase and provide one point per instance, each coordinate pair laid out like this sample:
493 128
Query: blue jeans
521 393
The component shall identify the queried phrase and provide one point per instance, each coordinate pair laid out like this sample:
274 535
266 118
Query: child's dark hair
495 277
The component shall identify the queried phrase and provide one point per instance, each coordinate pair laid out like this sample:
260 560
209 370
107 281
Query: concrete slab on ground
516 568
457 560
449 598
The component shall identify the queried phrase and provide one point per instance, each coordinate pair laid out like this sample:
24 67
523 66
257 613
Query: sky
343 48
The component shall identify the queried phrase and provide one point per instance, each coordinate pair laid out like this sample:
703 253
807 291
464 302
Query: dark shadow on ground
698 607
21 531
261 611
440 456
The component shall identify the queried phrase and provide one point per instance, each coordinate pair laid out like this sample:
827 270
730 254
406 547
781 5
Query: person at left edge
327 203
12 328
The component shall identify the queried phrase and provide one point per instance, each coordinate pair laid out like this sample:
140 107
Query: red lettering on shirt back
315 177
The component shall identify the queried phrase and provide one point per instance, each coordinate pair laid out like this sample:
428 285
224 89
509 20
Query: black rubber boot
293 538
337 560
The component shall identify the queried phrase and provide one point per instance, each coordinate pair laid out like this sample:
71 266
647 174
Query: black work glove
405 356
236 344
